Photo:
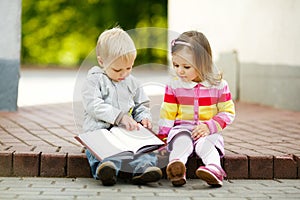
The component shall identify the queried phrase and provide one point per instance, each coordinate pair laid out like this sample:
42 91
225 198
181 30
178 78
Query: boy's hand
199 131
146 123
129 123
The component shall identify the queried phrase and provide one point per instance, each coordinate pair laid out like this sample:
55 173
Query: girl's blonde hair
200 47
113 44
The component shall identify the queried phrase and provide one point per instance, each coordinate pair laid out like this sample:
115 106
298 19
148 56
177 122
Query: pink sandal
211 176
176 172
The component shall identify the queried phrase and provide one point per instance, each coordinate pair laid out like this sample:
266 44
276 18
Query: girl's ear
100 61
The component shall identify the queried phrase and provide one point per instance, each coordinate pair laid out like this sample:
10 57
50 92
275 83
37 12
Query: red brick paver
263 142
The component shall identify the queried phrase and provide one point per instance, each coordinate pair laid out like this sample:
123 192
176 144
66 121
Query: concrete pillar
228 63
10 42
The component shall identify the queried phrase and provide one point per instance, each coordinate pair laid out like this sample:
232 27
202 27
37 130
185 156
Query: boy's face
119 69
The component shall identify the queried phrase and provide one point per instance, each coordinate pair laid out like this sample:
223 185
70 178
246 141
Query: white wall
10 29
262 31
255 42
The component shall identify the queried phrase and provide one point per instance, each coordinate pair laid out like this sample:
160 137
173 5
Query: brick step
76 165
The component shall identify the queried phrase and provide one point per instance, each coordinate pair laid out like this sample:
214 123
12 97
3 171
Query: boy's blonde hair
113 44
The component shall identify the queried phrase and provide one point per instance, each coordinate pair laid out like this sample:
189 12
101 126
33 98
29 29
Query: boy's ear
100 61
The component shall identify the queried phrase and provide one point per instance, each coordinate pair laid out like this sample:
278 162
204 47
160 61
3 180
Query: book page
137 138
101 143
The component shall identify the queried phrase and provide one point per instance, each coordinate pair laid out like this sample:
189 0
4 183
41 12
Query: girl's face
183 63
119 69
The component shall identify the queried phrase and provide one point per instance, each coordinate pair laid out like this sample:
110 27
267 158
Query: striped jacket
190 103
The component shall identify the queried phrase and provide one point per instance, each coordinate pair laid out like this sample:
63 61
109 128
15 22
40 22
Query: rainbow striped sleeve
226 111
168 113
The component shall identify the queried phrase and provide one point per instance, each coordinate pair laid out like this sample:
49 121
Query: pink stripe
164 130
225 97
168 90
201 101
180 122
212 126
227 117
220 121
204 92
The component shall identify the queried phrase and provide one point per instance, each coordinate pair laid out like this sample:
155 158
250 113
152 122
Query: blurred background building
255 43
10 44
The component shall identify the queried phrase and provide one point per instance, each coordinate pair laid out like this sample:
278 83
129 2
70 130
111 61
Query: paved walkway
263 142
37 143
87 188
38 140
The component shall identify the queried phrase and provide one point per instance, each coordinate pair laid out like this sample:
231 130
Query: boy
112 97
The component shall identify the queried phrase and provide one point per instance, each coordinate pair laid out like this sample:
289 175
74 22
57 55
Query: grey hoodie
106 101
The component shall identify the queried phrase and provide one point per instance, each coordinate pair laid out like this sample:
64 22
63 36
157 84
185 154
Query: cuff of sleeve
212 126
118 119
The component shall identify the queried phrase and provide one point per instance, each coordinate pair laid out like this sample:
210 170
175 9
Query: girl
197 106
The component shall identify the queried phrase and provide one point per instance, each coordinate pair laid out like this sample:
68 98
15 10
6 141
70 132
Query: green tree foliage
64 32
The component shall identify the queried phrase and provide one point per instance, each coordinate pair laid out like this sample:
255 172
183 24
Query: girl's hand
199 131
129 123
146 123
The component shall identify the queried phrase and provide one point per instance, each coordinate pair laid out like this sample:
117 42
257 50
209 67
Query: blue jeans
136 164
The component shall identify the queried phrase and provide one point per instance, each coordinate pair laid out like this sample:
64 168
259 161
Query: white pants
182 146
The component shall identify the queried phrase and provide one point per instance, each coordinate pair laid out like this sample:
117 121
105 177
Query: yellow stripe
168 111
130 111
227 106
185 112
207 112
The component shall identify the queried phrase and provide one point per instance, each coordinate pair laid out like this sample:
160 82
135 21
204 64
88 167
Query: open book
119 142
